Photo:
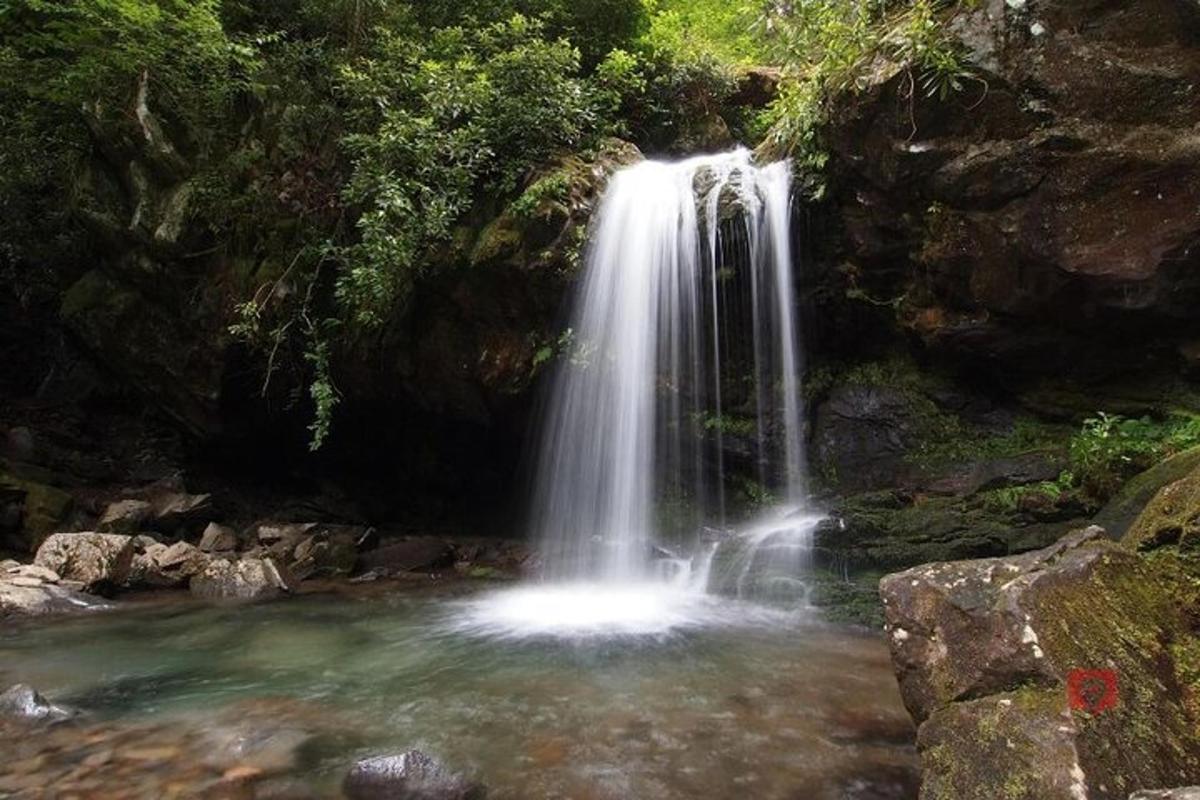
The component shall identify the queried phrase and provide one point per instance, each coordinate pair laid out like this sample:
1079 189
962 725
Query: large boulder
990 655
412 775
99 562
242 580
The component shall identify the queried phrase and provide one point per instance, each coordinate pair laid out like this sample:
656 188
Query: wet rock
327 552
267 748
1120 512
986 652
179 512
246 579
1171 518
309 549
22 596
161 565
280 538
11 570
413 555
125 517
865 433
412 775
218 539
98 561
24 703
164 511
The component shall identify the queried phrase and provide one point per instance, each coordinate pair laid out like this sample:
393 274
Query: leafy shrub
1110 449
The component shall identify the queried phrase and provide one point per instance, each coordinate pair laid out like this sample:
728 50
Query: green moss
499 240
852 599
96 292
44 510
1171 518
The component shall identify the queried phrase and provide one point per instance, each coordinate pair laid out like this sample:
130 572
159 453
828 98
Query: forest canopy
335 142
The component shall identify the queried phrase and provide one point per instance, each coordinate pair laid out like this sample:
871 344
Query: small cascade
682 370
684 339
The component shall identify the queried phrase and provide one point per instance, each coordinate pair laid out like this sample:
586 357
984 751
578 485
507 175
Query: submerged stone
411 775
23 702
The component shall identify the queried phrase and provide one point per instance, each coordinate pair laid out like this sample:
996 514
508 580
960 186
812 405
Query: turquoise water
764 705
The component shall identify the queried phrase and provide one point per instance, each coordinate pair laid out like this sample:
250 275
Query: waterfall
683 335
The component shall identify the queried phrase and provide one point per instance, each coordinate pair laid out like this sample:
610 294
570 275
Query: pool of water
762 704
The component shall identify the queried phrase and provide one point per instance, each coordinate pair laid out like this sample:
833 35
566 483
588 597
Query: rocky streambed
176 696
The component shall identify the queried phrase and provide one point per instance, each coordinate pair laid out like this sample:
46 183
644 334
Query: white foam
587 610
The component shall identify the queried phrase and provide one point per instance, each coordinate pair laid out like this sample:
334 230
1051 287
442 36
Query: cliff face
1046 219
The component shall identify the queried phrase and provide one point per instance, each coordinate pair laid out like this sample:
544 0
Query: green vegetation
332 149
1110 449
831 47
327 147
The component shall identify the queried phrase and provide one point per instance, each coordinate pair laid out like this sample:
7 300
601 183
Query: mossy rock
1008 746
45 508
966 636
1172 517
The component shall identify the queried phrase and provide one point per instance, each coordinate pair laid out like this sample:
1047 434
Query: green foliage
754 494
727 424
331 147
829 47
1110 449
726 29
1009 498
552 188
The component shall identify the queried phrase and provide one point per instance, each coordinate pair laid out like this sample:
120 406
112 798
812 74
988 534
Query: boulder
218 539
990 654
164 511
1171 518
98 561
179 512
1120 512
22 702
246 579
32 511
412 775
281 538
22 596
309 549
327 552
1182 793
412 555
125 516
161 565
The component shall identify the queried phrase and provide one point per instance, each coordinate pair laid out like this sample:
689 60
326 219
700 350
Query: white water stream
683 334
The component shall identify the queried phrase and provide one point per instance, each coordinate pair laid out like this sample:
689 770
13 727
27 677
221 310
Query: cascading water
683 335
